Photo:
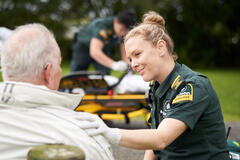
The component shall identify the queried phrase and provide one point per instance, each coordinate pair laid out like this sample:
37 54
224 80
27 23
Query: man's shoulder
101 22
105 20
28 95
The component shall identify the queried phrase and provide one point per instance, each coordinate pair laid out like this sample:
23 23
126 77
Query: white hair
27 51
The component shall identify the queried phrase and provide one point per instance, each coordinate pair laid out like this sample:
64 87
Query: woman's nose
134 64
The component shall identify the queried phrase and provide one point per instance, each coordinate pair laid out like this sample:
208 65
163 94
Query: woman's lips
140 71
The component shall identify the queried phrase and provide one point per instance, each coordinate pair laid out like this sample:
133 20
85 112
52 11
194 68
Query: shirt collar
173 80
19 94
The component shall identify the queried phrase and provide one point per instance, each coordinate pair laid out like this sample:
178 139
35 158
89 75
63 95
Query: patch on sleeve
186 94
103 33
110 32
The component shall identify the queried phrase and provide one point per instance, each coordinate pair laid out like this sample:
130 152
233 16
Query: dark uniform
100 28
189 97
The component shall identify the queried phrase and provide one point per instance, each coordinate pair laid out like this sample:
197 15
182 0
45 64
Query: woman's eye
137 54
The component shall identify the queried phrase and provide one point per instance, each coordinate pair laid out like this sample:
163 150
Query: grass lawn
226 84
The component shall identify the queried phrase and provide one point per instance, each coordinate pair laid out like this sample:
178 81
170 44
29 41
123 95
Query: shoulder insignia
103 33
110 32
186 94
176 83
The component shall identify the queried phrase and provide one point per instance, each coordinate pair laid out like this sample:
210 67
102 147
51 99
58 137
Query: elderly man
32 111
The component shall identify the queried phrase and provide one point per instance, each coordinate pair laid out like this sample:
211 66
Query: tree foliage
206 33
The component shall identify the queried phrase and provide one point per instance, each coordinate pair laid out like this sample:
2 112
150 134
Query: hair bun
154 18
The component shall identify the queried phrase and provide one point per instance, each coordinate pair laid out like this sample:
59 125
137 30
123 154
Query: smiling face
144 58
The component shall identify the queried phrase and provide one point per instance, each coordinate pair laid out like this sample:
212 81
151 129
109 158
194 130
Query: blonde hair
153 29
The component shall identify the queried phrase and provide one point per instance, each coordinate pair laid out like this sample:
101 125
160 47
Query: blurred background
206 33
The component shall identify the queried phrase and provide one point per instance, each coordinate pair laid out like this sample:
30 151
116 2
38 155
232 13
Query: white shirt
31 115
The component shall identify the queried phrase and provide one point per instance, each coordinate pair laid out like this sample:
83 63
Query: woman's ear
161 46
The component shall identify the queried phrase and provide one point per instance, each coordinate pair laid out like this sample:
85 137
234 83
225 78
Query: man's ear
161 46
115 20
47 74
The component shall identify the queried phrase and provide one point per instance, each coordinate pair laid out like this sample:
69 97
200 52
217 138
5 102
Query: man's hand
119 66
94 125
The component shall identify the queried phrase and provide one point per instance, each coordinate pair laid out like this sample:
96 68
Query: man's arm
168 130
96 52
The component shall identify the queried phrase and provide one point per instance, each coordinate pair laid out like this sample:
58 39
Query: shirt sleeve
101 33
189 104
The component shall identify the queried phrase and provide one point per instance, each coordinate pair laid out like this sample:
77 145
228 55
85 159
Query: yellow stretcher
100 98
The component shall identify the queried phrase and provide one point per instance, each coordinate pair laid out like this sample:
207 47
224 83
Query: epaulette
178 84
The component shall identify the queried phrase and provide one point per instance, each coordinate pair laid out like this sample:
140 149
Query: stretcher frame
100 98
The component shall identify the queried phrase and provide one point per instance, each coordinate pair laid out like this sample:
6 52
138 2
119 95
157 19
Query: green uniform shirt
189 97
100 28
